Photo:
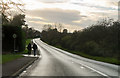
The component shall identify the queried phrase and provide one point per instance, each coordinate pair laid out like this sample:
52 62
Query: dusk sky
72 14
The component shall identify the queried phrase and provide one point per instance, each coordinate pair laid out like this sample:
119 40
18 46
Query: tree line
101 39
14 24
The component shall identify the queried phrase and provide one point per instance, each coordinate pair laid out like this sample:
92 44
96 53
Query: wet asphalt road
56 62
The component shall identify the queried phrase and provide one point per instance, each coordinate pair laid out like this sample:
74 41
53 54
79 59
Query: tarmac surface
15 67
57 63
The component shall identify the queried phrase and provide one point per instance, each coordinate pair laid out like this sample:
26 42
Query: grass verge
102 59
10 57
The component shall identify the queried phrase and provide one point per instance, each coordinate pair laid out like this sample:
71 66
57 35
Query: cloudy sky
72 14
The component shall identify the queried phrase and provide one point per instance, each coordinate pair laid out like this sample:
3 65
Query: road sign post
14 36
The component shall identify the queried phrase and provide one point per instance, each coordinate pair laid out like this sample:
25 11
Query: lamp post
14 36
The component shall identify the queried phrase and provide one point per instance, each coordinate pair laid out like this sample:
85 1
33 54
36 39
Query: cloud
72 19
72 13
35 25
57 15
113 6
54 1
101 5
34 18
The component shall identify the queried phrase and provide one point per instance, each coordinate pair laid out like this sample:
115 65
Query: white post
14 36
14 44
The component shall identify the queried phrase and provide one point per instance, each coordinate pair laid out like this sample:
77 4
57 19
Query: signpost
14 36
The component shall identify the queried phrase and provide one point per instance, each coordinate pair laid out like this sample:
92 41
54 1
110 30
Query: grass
28 41
26 50
103 59
9 57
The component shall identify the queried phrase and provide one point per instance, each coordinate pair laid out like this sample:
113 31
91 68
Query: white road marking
24 71
29 67
95 70
81 67
72 62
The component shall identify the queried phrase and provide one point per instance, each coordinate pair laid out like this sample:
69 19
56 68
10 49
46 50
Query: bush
91 48
8 40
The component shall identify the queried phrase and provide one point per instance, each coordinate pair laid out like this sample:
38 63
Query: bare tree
7 7
60 27
47 27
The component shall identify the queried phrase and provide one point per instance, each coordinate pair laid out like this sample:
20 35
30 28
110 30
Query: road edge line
23 68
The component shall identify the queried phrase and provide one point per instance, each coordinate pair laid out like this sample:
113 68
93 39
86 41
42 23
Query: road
56 62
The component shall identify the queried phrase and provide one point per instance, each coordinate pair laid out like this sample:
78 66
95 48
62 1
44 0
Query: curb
16 74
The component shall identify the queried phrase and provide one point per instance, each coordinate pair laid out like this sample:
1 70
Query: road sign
14 35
